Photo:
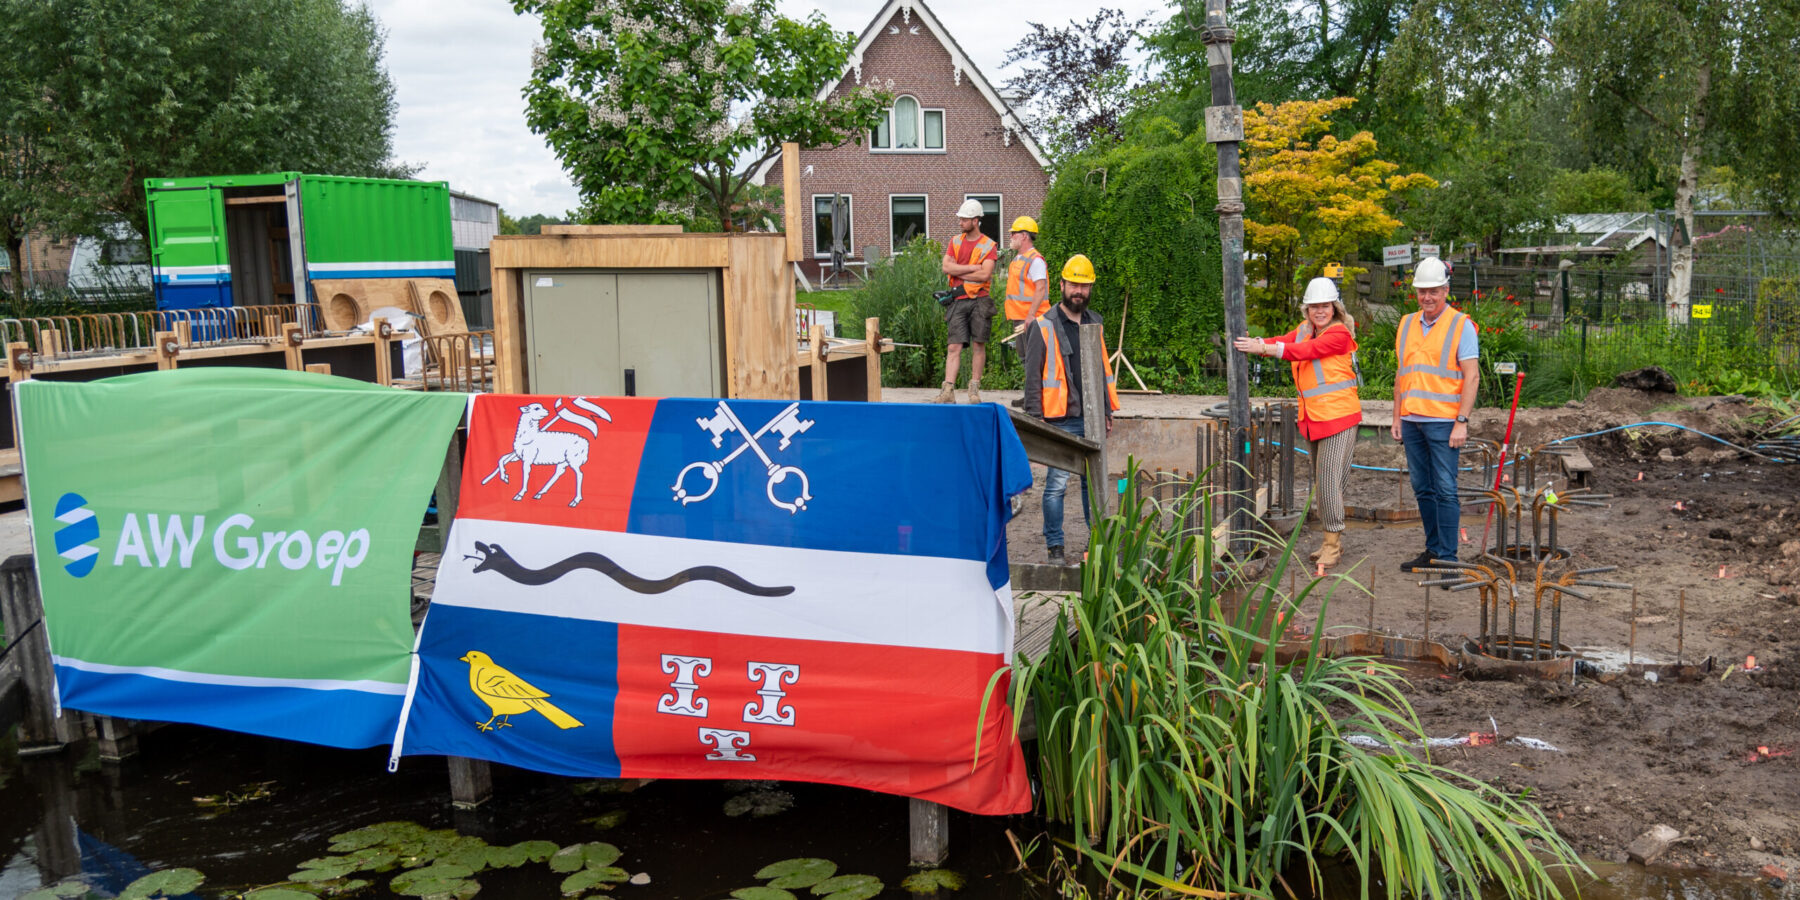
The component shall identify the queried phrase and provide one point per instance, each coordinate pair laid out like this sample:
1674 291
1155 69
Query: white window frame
889 119
893 249
849 233
999 216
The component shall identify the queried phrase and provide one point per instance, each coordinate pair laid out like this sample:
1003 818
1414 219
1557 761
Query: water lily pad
599 877
595 855
759 803
931 880
607 820
807 875
344 886
325 868
62 890
761 893
278 893
521 853
167 883
849 887
373 835
467 851
430 879
804 867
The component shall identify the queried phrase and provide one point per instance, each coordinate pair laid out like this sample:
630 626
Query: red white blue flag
730 589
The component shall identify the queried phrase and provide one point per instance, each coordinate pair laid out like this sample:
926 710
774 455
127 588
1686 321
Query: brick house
949 136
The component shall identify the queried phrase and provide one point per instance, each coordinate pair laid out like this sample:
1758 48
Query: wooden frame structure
756 290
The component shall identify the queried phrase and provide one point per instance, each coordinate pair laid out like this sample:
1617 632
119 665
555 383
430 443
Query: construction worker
1027 282
1322 350
1437 352
969 261
1053 388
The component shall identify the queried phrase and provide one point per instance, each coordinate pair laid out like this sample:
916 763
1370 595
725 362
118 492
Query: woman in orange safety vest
1322 352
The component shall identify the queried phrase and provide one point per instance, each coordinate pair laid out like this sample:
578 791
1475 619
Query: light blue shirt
1468 348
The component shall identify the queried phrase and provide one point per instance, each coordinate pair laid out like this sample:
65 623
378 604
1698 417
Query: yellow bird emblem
509 695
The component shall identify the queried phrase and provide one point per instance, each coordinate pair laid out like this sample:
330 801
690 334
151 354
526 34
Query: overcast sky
458 67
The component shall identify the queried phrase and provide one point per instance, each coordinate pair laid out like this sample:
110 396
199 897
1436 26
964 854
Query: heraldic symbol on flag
724 635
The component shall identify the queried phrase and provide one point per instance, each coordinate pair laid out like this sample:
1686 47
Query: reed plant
1186 759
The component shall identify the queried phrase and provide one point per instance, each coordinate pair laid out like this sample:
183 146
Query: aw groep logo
79 533
150 540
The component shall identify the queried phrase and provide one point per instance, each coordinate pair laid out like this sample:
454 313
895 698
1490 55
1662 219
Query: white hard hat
1320 290
1430 273
971 209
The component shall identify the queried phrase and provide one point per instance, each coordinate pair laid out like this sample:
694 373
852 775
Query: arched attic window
908 127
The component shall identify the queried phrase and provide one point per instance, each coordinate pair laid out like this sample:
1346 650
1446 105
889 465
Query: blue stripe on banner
572 665
347 718
908 479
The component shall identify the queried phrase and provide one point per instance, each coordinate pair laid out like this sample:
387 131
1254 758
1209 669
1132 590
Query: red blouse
1334 342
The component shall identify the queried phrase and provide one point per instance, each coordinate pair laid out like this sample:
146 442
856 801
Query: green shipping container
251 240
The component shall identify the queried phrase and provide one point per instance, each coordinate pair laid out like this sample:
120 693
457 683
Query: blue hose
1697 431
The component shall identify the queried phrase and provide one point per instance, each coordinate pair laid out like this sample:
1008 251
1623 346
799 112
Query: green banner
232 547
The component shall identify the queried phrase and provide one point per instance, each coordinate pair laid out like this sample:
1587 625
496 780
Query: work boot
1331 551
975 390
1018 403
1056 556
1418 562
947 395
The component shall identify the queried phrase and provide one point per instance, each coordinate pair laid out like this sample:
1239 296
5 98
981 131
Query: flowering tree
654 105
1312 198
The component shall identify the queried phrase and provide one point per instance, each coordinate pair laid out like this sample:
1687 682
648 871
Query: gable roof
963 67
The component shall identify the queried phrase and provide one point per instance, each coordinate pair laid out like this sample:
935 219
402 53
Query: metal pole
1225 129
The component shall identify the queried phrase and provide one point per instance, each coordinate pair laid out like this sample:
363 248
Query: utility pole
1225 129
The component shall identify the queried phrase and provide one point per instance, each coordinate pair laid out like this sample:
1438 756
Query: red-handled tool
1505 444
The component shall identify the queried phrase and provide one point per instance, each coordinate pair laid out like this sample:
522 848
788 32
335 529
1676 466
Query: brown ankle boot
1332 550
975 391
947 395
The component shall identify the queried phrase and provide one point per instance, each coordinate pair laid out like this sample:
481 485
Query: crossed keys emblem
723 421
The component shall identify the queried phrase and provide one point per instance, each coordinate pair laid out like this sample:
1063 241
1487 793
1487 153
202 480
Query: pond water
245 811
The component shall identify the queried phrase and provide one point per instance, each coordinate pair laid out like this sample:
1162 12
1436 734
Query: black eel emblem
495 559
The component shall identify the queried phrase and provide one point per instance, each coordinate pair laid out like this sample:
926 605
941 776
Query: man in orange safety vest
1438 353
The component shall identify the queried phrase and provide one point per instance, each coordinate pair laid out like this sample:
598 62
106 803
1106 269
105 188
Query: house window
990 215
822 224
908 127
906 219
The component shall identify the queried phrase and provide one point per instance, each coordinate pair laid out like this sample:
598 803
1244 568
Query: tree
1674 81
534 223
31 183
1142 210
1493 181
654 104
136 89
1076 83
1595 190
1311 198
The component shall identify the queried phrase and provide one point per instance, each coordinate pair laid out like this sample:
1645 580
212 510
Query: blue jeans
1056 484
1432 463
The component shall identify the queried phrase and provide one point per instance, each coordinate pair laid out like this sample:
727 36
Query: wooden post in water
1094 410
41 730
471 784
929 831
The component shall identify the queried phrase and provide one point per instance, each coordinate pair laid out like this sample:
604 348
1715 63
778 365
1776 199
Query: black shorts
969 319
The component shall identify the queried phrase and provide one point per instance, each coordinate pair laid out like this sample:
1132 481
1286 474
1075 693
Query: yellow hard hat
1078 270
1025 223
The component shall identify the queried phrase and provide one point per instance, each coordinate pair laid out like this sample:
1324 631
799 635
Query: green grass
1184 758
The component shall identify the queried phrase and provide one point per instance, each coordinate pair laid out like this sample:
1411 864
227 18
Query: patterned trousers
1331 458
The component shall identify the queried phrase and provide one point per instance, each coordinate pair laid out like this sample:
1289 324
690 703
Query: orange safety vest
1056 382
983 247
1430 379
1022 294
1327 385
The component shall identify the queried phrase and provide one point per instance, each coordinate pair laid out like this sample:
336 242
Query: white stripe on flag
864 598
308 684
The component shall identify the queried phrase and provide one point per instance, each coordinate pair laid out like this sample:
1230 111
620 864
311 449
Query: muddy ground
1631 754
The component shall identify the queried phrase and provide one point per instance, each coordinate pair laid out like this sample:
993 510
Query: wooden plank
509 331
184 333
790 201
759 321
610 229
168 347
22 613
291 340
1036 577
618 251
12 485
384 359
1577 467
821 389
872 356
272 200
929 831
319 368
1052 446
49 343
1094 410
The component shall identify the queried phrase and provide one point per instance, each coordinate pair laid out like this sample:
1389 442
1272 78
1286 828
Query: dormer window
908 127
